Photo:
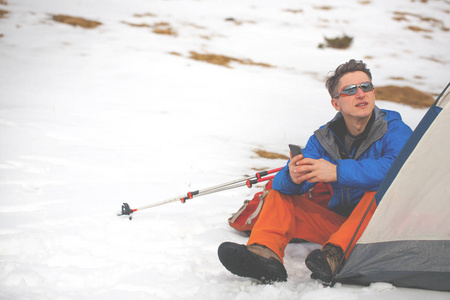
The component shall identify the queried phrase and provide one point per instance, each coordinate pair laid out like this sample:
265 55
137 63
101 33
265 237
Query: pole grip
251 182
261 174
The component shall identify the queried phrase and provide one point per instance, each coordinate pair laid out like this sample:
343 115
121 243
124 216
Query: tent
407 241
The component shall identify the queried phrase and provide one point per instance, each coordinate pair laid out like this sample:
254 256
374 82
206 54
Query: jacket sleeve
283 182
368 173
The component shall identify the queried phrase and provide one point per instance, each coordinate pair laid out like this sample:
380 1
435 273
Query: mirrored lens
366 86
350 90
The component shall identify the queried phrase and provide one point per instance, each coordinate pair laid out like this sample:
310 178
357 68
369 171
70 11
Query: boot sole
240 261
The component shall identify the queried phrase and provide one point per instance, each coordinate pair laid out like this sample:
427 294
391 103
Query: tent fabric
406 151
413 264
407 241
410 145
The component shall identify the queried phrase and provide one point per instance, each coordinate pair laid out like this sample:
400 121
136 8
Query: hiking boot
263 251
323 263
254 261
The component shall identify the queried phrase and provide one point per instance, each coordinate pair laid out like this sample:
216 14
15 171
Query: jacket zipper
343 200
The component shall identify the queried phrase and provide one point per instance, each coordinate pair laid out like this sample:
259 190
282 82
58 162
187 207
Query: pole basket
126 210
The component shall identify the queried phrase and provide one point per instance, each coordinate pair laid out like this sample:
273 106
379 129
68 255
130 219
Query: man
353 153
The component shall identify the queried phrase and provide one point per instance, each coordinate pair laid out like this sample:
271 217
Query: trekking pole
248 181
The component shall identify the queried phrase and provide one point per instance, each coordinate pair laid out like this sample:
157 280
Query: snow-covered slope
91 118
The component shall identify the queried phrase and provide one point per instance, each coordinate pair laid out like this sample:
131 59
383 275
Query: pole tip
126 210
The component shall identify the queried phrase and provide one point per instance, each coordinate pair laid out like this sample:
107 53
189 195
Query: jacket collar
331 135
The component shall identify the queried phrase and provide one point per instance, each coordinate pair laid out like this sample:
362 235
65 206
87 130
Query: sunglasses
353 88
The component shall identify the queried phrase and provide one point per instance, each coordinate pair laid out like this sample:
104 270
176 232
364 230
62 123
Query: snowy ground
91 118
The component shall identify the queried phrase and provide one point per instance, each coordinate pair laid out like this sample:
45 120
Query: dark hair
349 67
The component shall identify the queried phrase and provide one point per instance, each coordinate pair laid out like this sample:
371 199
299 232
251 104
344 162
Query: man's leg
343 236
282 218
323 263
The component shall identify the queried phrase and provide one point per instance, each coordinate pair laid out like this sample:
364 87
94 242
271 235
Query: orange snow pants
284 217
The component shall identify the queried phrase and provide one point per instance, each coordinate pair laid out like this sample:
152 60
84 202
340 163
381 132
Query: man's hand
311 170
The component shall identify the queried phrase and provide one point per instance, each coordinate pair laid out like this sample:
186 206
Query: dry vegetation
404 16
324 7
163 28
406 95
138 24
76 21
145 15
342 42
3 13
270 155
294 11
223 60
238 22
158 28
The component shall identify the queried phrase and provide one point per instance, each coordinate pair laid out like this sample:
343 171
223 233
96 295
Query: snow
92 118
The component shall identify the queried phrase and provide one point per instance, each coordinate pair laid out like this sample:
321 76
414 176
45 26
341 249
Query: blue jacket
359 171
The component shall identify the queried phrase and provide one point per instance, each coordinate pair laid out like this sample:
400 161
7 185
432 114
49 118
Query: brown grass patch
396 78
76 21
223 60
158 28
259 169
239 22
418 29
342 42
403 16
234 21
167 31
324 7
163 28
144 15
294 11
3 13
406 95
270 155
195 26
433 59
138 25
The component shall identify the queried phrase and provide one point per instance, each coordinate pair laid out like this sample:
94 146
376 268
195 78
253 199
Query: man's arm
312 170
369 173
287 183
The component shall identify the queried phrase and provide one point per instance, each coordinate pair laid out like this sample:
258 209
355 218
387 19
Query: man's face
358 106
